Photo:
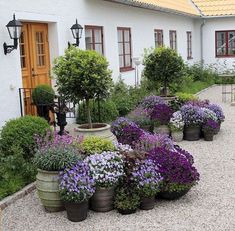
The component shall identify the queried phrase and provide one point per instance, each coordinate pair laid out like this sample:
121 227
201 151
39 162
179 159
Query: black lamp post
77 32
14 30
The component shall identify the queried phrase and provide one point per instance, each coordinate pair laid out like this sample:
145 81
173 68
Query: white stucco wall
209 53
60 15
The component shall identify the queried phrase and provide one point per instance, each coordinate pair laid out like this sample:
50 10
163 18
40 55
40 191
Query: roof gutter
153 7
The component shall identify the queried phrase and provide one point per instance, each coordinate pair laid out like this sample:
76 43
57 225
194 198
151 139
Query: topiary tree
82 74
43 95
164 66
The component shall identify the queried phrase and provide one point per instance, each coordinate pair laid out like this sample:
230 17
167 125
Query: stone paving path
208 206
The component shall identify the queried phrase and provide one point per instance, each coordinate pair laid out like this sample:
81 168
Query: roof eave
153 7
218 16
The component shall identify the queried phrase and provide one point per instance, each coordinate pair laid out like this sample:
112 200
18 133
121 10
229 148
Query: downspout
201 38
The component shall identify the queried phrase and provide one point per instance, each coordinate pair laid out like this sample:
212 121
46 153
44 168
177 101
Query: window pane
126 35
98 36
98 48
127 60
127 48
221 43
120 39
231 43
120 48
121 61
88 38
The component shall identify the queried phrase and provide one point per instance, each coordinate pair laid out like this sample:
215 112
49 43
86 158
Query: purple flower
210 125
150 102
192 115
198 103
217 110
161 113
140 116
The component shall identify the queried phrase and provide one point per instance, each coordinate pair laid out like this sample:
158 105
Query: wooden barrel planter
99 129
48 190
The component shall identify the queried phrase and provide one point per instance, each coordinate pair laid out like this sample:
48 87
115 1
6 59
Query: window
225 43
124 48
189 45
173 40
158 34
94 38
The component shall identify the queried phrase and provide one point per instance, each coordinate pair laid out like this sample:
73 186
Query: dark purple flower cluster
161 113
210 125
151 101
76 183
217 110
118 125
175 167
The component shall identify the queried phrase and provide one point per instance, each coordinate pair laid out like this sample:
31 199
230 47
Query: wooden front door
35 61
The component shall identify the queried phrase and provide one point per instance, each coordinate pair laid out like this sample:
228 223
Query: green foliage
95 144
185 97
126 198
43 95
176 187
108 112
163 66
15 172
20 133
56 158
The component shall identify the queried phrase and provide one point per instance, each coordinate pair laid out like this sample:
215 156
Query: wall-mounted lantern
77 32
14 30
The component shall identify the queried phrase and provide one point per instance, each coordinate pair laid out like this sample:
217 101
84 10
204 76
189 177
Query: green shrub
20 133
185 97
108 112
95 144
43 95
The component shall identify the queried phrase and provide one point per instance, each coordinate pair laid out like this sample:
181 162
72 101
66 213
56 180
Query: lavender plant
76 183
147 178
106 168
176 122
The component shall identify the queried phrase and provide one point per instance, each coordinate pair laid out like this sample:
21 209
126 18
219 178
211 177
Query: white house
119 29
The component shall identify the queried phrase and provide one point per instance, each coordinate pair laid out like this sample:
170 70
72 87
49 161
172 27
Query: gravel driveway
208 206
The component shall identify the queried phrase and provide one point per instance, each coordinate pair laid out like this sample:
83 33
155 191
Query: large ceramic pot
147 203
208 136
162 129
102 200
172 195
99 129
192 133
76 211
47 185
177 136
126 211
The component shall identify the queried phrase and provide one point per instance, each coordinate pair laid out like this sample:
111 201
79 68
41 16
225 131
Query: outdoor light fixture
77 32
14 30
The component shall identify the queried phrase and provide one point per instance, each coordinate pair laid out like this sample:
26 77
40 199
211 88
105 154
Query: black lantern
14 30
77 32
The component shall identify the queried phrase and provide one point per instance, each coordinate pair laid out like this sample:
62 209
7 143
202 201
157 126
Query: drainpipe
201 38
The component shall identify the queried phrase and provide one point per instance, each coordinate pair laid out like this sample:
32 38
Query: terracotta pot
76 211
102 200
126 211
192 133
208 136
48 190
147 203
99 129
177 136
162 129
172 195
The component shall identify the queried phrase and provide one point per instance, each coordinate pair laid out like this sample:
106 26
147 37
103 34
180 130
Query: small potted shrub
193 119
161 115
127 200
106 169
147 179
76 188
209 129
176 168
43 97
177 126
53 155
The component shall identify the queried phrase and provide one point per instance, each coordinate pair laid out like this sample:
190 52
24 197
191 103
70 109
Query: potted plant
76 187
84 75
177 126
209 129
163 65
53 154
127 200
43 97
106 169
219 114
161 115
176 168
147 179
193 119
